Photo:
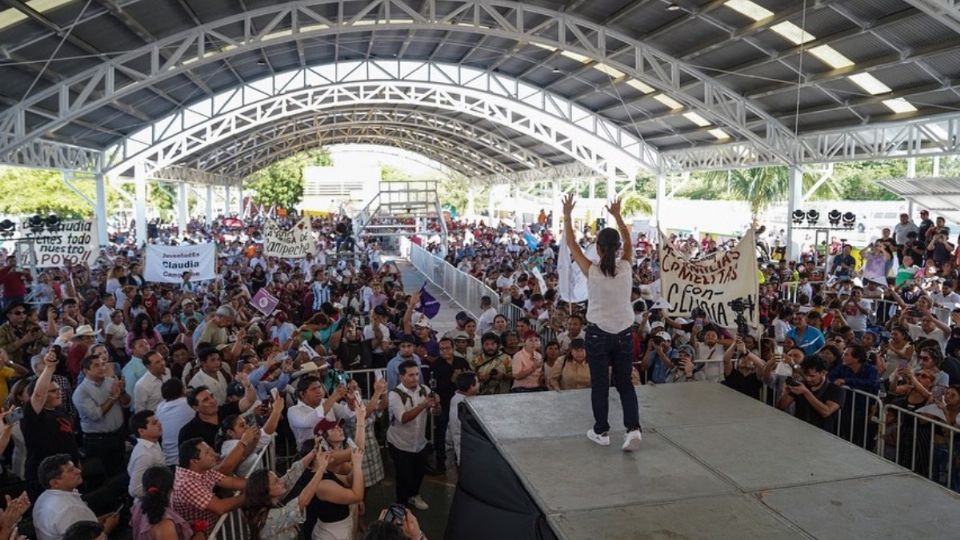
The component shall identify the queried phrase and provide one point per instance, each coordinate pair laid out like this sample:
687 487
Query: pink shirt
522 361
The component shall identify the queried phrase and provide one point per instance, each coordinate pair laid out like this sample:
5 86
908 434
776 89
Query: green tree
760 187
281 183
31 191
634 203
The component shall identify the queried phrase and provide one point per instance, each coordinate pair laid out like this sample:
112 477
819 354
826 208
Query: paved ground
413 280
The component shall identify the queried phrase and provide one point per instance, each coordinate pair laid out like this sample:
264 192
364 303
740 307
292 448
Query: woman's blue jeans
605 350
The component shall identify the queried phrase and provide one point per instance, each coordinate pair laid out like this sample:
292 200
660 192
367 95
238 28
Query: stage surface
713 464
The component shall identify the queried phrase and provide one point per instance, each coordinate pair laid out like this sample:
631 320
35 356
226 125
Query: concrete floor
714 464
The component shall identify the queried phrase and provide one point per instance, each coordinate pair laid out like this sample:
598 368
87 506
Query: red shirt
14 283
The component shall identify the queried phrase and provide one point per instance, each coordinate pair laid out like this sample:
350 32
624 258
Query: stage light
849 218
35 224
813 217
7 228
798 216
52 222
834 217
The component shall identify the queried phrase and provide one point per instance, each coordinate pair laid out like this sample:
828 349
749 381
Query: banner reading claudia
166 264
711 282
73 242
292 243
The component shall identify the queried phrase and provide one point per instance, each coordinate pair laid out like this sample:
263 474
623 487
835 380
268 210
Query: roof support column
100 209
140 203
226 201
182 208
209 205
911 173
240 206
794 196
491 209
611 195
557 209
661 199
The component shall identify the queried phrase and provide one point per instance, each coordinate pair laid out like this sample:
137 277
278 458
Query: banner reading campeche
166 264
73 242
711 282
292 243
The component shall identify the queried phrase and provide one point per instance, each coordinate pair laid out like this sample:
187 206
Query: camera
793 381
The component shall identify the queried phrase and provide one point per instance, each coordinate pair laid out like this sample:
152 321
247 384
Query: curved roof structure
614 86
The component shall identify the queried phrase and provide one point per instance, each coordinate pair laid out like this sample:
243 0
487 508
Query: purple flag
264 302
429 305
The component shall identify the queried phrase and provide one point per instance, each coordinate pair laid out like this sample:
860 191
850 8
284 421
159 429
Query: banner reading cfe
711 282
74 242
292 243
166 264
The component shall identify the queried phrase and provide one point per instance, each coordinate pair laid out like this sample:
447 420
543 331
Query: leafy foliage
30 191
635 203
281 183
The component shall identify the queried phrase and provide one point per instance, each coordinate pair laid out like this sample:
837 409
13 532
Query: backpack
405 398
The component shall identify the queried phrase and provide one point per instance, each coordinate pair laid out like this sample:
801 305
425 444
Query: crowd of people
167 396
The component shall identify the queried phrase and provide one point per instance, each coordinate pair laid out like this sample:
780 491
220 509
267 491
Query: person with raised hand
266 517
610 318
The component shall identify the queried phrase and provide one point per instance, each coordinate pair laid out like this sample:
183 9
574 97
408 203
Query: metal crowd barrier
463 288
232 525
929 449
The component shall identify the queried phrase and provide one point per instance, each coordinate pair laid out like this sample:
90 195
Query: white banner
166 264
74 242
571 283
711 282
292 243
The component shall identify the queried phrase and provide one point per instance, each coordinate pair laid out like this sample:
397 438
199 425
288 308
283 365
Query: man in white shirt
60 505
173 413
311 407
102 317
147 452
210 374
146 393
485 322
710 353
379 333
947 297
410 403
467 385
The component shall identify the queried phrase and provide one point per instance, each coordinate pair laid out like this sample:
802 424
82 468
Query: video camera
739 307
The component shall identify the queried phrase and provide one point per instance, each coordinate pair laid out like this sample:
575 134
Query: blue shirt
132 373
811 341
263 388
393 370
865 380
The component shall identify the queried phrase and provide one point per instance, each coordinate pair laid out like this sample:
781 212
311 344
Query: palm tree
633 203
759 186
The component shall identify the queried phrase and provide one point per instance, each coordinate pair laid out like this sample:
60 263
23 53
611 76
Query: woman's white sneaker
631 442
602 440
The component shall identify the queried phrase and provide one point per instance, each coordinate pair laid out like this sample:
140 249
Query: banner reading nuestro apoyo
166 264
711 282
292 243
73 242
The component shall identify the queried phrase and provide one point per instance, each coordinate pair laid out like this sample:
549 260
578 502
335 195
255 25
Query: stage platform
714 464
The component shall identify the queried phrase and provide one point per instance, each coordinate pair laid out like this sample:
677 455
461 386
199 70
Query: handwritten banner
711 282
166 264
292 243
73 242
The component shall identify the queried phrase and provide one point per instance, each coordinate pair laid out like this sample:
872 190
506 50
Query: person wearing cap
609 339
463 343
83 338
404 353
528 365
187 312
571 370
421 331
684 366
658 361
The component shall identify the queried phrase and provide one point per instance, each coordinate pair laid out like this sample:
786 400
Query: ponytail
608 242
157 485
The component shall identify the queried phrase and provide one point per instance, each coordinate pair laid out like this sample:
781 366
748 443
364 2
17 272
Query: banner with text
166 264
292 243
712 282
73 242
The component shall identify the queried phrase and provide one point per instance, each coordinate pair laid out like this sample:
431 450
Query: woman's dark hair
83 530
225 425
137 330
258 502
381 530
608 242
157 485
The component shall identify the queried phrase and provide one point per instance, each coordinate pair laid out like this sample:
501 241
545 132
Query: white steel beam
240 34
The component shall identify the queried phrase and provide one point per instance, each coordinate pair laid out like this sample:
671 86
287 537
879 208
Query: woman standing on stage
609 322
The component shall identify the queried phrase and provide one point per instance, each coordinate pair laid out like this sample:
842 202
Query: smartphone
324 447
396 514
15 416
378 374
274 393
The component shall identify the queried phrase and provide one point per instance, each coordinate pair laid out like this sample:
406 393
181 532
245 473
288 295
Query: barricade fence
463 288
881 310
233 525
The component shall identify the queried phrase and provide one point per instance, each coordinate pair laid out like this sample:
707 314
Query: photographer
816 400
391 526
939 248
657 362
743 378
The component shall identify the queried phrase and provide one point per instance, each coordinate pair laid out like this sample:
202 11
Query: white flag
572 283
